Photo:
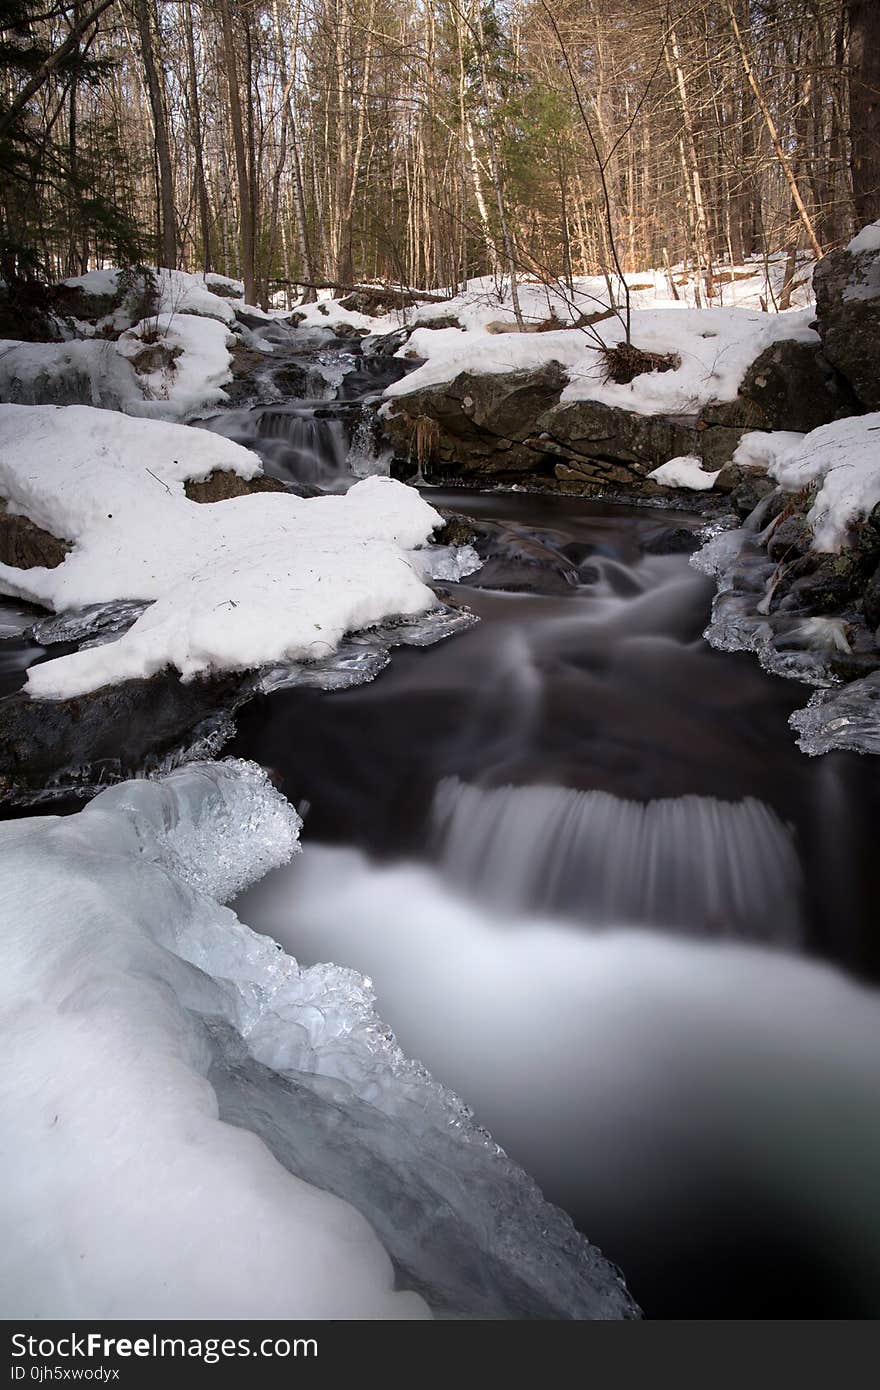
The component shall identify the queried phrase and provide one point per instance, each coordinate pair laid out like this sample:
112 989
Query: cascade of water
693 863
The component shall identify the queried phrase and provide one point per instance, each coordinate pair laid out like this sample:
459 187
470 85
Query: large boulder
24 545
511 425
61 746
847 286
477 423
791 385
604 445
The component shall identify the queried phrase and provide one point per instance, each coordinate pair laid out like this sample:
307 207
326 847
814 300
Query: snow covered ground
714 348
233 585
177 1090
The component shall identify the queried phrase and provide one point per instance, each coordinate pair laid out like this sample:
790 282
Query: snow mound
193 381
843 460
868 239
233 585
179 292
195 366
89 372
178 1089
715 347
685 471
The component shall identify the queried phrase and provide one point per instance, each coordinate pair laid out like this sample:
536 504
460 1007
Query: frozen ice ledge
197 1127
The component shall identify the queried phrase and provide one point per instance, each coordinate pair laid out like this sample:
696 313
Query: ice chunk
844 717
177 1089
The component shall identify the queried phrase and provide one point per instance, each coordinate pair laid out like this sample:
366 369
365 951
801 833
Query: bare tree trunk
245 193
773 132
864 107
168 223
198 149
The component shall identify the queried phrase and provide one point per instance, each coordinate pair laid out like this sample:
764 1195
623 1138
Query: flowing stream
599 891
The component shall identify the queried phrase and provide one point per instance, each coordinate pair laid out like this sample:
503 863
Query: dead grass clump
624 362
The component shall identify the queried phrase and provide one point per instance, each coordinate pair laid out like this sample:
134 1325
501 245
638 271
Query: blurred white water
694 863
642 1077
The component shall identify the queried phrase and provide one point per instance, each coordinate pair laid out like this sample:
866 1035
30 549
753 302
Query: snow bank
763 448
194 380
103 374
235 585
179 292
685 471
177 1089
89 372
843 459
715 347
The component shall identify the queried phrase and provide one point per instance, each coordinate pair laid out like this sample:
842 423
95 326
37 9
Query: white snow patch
868 239
844 459
685 471
762 449
715 347
235 585
195 379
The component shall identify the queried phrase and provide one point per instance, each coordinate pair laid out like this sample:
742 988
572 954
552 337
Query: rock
375 301
871 600
479 423
790 539
300 382
25 545
348 330
602 444
847 290
222 484
789 386
521 561
672 540
833 581
109 734
444 321
387 344
747 486
456 529
154 357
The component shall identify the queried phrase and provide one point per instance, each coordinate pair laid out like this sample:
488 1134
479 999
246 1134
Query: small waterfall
693 863
308 447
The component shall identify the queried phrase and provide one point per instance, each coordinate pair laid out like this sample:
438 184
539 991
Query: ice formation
177 1090
239 584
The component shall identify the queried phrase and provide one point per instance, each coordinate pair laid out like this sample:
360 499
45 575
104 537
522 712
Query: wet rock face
482 423
511 426
847 290
25 545
871 600
106 736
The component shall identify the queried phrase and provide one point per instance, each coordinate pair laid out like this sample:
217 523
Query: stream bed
597 888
